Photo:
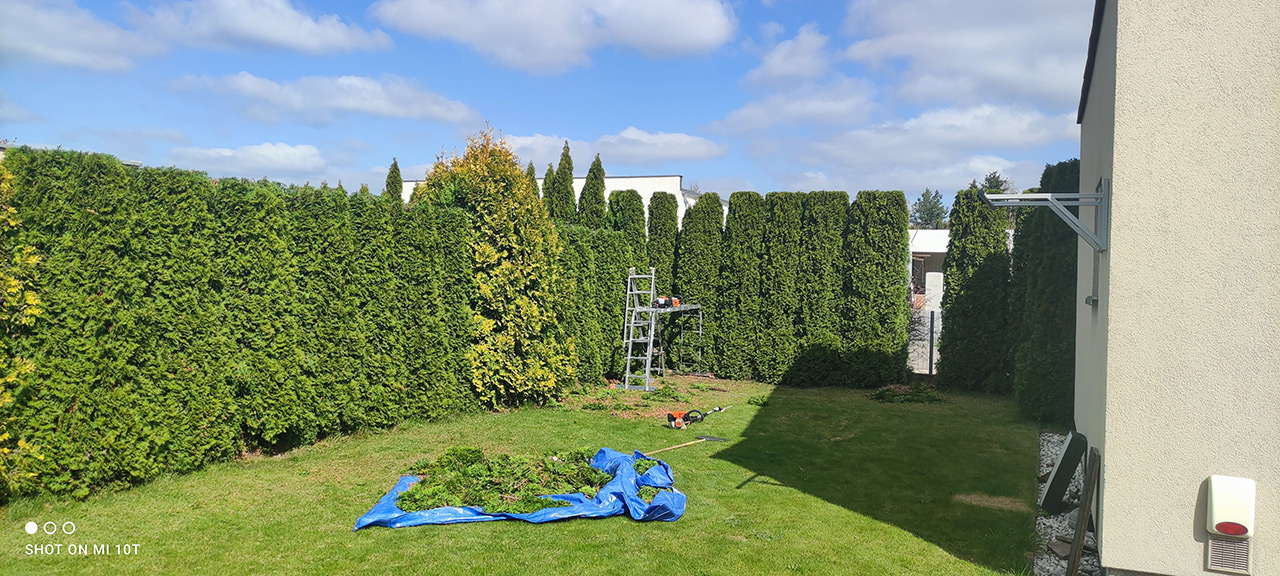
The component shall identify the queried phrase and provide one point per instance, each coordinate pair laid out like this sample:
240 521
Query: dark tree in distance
394 189
928 212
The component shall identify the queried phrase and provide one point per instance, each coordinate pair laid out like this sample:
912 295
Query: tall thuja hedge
822 223
974 346
626 215
1043 297
20 308
873 306
334 336
698 250
458 295
560 199
581 313
433 388
736 340
189 404
259 288
660 246
613 257
780 303
591 206
83 406
520 353
378 288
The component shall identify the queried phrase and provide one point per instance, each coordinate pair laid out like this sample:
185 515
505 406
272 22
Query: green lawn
817 481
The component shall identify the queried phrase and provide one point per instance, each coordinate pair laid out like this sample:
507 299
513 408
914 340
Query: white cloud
939 137
547 36
237 24
630 147
318 99
980 51
840 102
800 58
59 32
275 161
10 111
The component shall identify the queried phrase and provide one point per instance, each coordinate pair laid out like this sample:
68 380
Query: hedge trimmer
681 420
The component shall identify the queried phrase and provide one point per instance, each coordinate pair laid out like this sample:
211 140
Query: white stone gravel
1049 527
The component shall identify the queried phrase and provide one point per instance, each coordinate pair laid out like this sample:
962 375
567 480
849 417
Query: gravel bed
1050 527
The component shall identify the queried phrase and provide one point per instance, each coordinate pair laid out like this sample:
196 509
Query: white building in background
645 185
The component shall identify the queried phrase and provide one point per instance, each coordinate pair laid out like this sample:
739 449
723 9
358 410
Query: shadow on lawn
902 464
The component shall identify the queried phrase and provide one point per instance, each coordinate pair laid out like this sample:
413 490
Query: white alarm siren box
1231 506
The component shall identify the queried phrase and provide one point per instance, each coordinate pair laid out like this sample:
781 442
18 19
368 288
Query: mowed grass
816 482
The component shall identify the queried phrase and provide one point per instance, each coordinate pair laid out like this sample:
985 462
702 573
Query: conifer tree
612 258
661 244
1042 305
822 226
736 340
697 268
626 215
259 288
591 206
547 180
561 203
393 192
780 305
521 353
532 175
974 347
874 309
581 312
334 339
378 289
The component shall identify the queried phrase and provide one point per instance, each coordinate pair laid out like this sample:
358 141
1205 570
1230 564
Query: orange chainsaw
683 419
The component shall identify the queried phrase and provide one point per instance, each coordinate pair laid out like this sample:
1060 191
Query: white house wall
1178 375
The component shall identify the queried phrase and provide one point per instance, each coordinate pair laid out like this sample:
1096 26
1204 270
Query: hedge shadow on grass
902 464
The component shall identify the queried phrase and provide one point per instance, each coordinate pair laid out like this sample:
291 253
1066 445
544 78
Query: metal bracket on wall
1060 201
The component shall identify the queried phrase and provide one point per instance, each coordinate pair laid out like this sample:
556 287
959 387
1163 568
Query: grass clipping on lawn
501 483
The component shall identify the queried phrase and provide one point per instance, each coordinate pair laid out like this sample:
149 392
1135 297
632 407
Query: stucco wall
1190 318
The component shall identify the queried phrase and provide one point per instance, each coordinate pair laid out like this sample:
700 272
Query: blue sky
761 95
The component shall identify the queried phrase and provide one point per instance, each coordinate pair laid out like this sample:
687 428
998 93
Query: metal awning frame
1060 201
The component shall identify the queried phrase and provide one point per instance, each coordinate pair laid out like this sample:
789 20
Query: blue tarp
619 495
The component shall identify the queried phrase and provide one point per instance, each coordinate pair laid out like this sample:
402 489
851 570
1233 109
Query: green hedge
736 339
591 206
661 244
1043 303
698 249
186 321
323 250
874 307
779 289
626 215
822 224
974 346
581 314
613 257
